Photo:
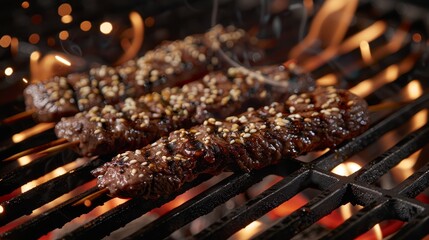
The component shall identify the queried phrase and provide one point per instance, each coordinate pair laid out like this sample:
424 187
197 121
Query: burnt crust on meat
303 123
170 64
136 123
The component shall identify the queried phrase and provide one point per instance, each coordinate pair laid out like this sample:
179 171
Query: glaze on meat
170 64
303 123
136 123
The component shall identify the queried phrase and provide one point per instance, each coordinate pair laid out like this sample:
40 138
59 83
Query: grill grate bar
336 190
56 217
9 148
36 168
200 205
123 214
389 89
307 215
415 229
369 196
361 222
415 184
335 65
376 211
252 210
328 162
382 164
356 76
390 206
44 193
9 129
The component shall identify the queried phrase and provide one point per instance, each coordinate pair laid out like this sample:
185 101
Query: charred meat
170 64
303 123
135 123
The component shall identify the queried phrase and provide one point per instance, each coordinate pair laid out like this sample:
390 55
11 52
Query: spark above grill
328 193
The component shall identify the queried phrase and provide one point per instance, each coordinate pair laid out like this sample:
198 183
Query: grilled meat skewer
255 139
136 123
170 64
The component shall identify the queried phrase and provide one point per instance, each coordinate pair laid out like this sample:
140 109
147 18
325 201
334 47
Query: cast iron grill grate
360 188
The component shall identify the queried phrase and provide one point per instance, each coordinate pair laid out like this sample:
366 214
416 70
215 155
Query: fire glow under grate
378 65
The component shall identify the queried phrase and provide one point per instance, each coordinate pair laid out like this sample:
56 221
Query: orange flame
51 175
27 133
327 80
337 15
368 34
50 65
346 211
137 41
390 74
365 52
346 168
412 91
248 231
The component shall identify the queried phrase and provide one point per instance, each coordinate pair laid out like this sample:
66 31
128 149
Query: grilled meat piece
303 123
170 64
136 123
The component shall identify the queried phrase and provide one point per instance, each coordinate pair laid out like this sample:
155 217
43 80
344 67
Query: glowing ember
51 175
24 160
63 60
34 38
64 9
87 203
28 186
417 37
377 231
5 41
327 80
374 233
66 19
346 169
25 4
8 71
63 35
1 209
85 26
288 207
106 27
392 72
365 52
412 91
363 88
249 230
39 128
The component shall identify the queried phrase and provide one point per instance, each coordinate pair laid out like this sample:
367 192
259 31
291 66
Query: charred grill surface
136 123
170 64
252 140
